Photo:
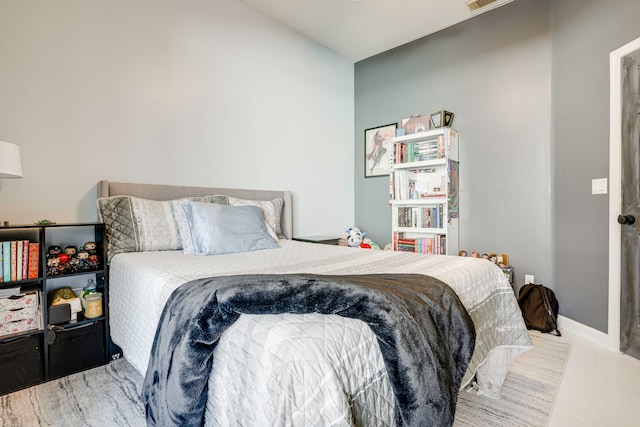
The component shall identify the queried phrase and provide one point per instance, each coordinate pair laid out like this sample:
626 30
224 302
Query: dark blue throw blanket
425 335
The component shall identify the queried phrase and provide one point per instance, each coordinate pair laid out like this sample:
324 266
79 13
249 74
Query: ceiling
358 29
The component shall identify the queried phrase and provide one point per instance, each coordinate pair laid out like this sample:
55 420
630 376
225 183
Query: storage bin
19 326
29 312
76 349
17 301
21 362
20 313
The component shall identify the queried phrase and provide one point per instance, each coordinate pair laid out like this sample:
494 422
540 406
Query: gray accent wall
583 35
493 72
529 85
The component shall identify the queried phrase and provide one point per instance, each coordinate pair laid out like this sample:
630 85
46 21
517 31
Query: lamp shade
10 166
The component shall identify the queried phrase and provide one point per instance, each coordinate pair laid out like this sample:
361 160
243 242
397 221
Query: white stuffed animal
354 237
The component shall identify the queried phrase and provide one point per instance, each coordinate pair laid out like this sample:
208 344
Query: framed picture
378 146
436 119
448 118
441 118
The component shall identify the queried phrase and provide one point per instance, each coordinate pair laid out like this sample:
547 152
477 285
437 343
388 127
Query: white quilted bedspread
302 362
266 366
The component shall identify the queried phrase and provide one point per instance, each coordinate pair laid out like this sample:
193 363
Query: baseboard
583 331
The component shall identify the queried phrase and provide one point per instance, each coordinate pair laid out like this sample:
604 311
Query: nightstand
325 240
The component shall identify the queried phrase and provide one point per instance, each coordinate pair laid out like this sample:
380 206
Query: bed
254 358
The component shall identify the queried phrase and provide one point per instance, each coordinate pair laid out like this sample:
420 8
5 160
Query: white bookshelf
423 186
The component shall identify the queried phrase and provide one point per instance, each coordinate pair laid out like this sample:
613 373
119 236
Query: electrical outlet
528 278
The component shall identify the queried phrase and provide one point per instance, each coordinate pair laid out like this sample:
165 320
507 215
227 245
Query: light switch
599 186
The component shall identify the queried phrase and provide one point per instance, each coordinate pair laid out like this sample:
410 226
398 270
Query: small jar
94 305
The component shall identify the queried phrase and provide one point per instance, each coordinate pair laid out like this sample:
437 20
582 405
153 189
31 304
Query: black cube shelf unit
44 351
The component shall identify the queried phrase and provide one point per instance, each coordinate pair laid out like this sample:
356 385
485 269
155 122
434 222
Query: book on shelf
19 262
392 193
420 216
34 260
6 261
431 149
430 244
25 259
14 260
443 150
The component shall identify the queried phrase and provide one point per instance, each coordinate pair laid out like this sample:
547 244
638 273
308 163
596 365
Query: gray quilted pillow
120 225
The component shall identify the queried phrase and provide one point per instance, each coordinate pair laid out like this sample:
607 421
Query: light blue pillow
221 229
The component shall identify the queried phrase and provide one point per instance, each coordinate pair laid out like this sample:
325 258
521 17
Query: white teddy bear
354 237
351 237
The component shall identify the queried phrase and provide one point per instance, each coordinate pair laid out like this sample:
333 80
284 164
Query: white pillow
157 226
271 209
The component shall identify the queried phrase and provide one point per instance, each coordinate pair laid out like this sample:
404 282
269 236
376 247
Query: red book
407 241
34 259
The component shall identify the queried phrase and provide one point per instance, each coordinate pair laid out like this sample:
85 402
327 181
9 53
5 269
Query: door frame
615 187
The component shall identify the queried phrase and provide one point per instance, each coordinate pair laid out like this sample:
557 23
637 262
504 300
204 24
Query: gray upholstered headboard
170 192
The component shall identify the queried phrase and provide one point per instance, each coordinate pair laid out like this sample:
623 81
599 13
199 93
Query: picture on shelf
378 143
448 118
441 118
436 120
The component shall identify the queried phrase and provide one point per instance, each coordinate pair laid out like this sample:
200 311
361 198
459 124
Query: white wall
197 92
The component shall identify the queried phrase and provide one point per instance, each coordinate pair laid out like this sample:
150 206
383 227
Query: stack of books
420 151
436 244
421 217
19 260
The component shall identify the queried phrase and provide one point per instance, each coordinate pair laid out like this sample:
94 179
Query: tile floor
599 388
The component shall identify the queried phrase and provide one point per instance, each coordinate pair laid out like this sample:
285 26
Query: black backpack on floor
539 308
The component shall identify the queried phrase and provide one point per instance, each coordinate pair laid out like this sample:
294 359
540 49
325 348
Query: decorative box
17 326
20 313
416 123
28 312
28 299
